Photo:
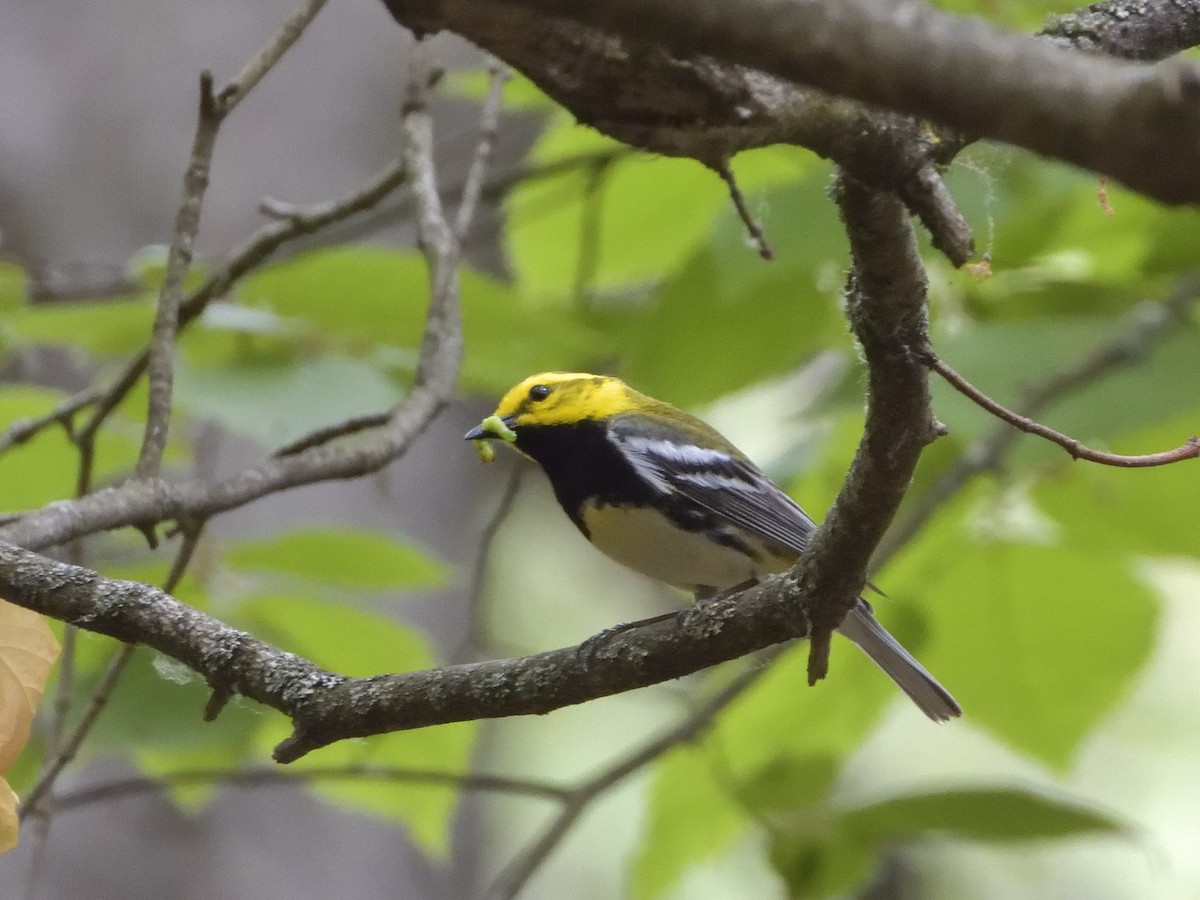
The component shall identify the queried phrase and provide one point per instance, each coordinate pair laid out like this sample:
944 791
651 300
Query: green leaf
277 400
346 557
12 287
790 783
369 298
642 214
1038 642
780 729
1130 511
359 643
336 635
519 92
44 469
691 818
727 318
112 327
979 814
821 863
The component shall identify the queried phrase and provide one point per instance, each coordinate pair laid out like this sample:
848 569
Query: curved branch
1190 449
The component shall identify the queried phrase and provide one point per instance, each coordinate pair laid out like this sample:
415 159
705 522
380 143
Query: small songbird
663 493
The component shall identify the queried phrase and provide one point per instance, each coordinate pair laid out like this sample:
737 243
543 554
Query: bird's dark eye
539 392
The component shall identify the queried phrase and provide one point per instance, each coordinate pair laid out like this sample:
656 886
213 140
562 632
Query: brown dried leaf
28 652
8 817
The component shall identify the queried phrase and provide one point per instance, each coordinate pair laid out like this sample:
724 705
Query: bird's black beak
491 429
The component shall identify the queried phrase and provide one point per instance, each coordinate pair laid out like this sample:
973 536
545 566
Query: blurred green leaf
346 557
691 818
1105 511
978 814
370 298
358 643
832 851
519 92
44 469
646 213
1037 641
112 327
278 400
336 635
12 287
821 863
727 318
790 783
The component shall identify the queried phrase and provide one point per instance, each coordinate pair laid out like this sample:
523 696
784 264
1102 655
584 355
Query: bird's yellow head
555 398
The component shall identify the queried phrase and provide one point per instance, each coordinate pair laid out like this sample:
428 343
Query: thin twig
253 72
214 107
22 430
475 638
591 218
265 777
1148 325
489 124
160 367
753 227
100 696
256 250
516 874
320 436
1189 450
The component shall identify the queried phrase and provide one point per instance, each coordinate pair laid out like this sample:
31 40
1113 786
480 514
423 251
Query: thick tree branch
1146 30
698 107
701 77
886 306
1136 123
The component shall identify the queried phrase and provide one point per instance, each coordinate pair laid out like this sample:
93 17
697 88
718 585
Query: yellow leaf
8 817
27 653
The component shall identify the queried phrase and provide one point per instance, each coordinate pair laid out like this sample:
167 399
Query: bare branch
753 226
1148 325
21 431
489 123
253 72
886 307
256 777
161 362
516 874
214 108
1189 450
243 259
320 436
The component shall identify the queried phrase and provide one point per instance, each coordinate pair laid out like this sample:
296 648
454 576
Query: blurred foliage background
1057 600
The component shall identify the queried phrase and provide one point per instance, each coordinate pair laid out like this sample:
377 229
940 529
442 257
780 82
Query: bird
665 494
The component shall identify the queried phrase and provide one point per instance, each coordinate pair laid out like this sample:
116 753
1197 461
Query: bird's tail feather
885 651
